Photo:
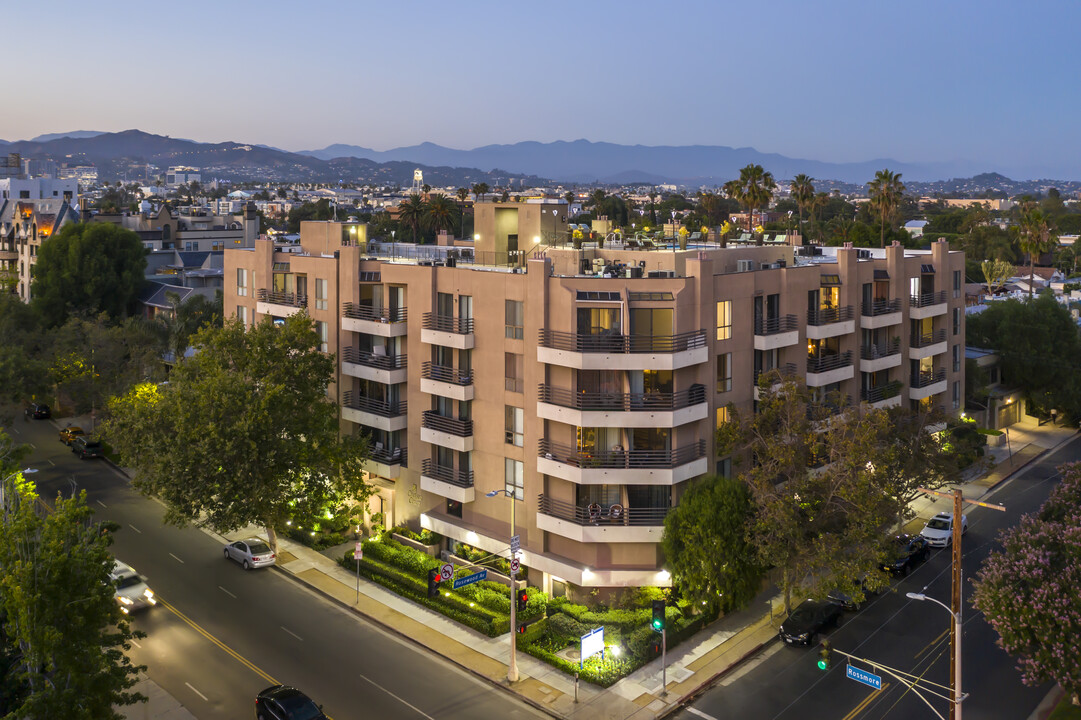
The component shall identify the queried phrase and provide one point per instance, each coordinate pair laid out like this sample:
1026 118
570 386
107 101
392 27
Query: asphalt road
784 683
222 634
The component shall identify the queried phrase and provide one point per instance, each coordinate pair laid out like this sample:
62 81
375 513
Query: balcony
621 467
925 384
884 396
880 356
927 305
591 409
279 304
447 330
927 344
446 481
622 352
776 332
446 381
830 322
385 462
880 313
377 366
379 414
596 523
383 322
780 374
828 369
448 432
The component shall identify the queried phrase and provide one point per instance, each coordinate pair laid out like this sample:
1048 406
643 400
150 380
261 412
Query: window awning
831 281
598 295
369 277
881 275
927 269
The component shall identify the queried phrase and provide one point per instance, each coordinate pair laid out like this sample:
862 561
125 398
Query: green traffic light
822 665
657 624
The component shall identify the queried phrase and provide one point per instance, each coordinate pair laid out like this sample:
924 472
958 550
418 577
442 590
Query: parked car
847 600
282 702
808 619
87 448
68 434
938 532
905 553
250 553
132 591
38 411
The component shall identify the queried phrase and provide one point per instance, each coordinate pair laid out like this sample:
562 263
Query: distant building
996 204
182 175
39 189
190 229
11 166
915 227
24 224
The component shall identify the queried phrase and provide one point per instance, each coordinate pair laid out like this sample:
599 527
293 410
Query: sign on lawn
592 643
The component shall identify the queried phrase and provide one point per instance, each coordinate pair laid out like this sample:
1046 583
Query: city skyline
915 83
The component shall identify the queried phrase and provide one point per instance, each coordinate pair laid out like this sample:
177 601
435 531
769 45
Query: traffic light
433 583
824 656
658 615
521 600
521 628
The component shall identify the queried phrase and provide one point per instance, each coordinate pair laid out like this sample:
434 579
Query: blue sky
991 82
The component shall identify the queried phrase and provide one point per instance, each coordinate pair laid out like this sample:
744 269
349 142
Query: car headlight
125 600
804 636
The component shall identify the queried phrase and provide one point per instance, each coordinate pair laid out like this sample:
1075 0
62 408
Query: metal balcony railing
825 363
442 373
447 323
373 314
925 379
611 459
373 406
775 325
441 423
880 307
825 316
615 343
927 339
880 350
927 299
783 371
276 297
597 514
882 392
388 456
370 359
461 478
621 402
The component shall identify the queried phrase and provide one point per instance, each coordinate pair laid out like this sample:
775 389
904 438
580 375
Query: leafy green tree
188 316
996 273
23 362
411 213
886 191
706 548
244 432
320 210
88 268
65 635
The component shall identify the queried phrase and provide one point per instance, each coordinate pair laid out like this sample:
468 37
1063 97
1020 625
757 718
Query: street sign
470 579
446 571
358 552
515 566
864 677
515 544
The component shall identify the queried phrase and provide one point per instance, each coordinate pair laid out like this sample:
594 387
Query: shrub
624 619
533 633
640 642
566 627
575 611
556 605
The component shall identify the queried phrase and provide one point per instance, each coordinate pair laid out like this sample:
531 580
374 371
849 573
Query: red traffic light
521 629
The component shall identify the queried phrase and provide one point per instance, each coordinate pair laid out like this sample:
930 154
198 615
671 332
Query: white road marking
414 708
292 633
133 527
227 592
699 713
52 463
174 557
196 691
99 502
136 644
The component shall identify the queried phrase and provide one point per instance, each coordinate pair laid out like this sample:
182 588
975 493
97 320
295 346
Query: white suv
131 589
939 530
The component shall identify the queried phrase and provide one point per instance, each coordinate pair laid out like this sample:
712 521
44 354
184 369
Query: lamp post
956 705
4 486
512 667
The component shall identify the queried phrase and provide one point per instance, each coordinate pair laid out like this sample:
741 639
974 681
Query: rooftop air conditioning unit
744 265
766 266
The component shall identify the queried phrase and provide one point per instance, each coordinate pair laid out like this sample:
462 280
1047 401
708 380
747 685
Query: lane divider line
865 702
196 691
412 707
700 714
291 633
228 650
174 557
227 592
931 644
135 528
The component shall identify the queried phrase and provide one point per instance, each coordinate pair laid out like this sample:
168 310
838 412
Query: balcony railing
373 406
927 339
461 478
928 378
880 307
441 423
597 514
776 325
927 299
882 392
880 350
825 316
388 456
447 323
784 371
442 373
826 363
373 314
576 342
277 297
370 359
625 402
621 458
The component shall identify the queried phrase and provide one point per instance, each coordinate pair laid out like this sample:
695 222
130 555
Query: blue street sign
864 677
470 579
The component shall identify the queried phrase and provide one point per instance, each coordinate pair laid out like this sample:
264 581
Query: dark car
846 597
906 551
807 620
40 411
87 448
282 702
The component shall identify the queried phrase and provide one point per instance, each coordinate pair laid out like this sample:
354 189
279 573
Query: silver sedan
250 553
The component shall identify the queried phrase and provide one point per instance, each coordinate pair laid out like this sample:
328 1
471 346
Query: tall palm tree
711 207
754 189
480 189
803 190
439 214
652 206
1037 237
817 202
411 213
570 197
733 190
463 195
886 191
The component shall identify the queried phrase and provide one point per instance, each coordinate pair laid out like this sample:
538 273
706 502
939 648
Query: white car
251 553
132 591
939 530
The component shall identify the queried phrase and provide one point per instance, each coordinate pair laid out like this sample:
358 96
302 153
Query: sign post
592 643
358 553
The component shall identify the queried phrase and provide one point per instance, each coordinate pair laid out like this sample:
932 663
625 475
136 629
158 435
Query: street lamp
957 697
512 668
4 485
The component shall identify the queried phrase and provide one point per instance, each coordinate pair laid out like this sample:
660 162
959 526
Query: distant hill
73 134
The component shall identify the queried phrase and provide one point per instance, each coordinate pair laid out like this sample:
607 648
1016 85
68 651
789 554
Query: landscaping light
615 650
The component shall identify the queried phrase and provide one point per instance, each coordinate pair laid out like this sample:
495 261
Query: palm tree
754 189
570 197
817 202
463 195
411 213
886 191
1037 237
479 189
803 190
652 206
439 214
711 207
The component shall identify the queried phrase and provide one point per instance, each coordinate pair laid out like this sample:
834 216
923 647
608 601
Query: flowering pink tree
1031 591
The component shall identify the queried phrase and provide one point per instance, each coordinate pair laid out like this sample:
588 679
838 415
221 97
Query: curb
708 684
1035 458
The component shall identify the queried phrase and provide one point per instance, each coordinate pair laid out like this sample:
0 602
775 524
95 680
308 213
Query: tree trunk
272 537
1031 272
882 233
787 592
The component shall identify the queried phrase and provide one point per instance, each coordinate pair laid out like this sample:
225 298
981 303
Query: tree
1028 590
886 191
439 214
803 190
243 433
479 190
753 190
996 273
62 629
188 316
91 268
705 544
1037 237
411 213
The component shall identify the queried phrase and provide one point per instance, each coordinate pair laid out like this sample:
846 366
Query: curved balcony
377 366
628 467
384 322
598 523
622 352
379 414
830 322
446 481
448 432
828 369
447 330
584 409
777 332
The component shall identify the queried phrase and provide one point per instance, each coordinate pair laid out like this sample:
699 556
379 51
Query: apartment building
24 225
188 229
587 383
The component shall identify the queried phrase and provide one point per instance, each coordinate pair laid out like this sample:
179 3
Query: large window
514 475
724 319
598 321
515 425
956 321
514 323
722 416
321 328
320 294
241 282
242 314
512 372
652 322
724 372
957 283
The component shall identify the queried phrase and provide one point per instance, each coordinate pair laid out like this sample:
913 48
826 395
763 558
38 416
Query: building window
242 282
217 245
724 372
513 310
722 416
957 283
956 395
513 368
320 294
956 321
956 358
514 476
724 468
242 314
724 319
321 328
515 425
